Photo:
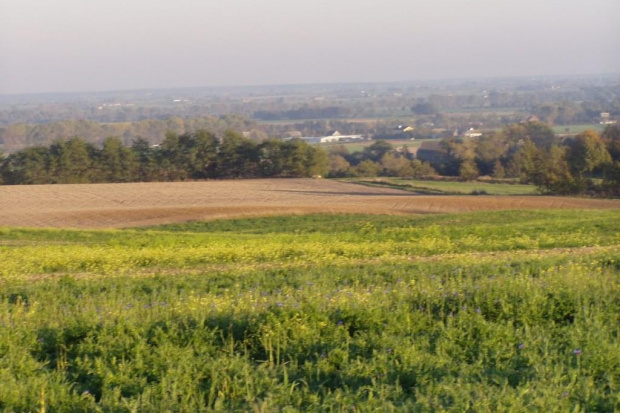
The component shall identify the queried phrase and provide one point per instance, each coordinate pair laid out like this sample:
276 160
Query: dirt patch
138 204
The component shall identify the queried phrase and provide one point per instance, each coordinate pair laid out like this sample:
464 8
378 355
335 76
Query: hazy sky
83 45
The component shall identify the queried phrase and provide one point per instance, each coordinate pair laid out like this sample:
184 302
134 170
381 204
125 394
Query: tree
524 162
72 161
117 162
611 137
396 165
202 157
421 169
317 162
338 166
271 158
170 157
27 167
552 174
146 160
539 133
237 157
587 153
376 151
424 108
468 170
498 170
611 180
296 156
368 168
488 151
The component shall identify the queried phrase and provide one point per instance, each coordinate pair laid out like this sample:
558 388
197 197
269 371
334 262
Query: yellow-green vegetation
494 311
448 187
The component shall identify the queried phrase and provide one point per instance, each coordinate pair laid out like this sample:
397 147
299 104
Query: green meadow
447 187
494 311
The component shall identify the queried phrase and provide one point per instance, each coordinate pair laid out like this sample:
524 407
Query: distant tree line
306 112
378 159
17 136
189 156
529 153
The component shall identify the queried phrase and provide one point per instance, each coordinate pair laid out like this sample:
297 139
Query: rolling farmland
139 204
298 301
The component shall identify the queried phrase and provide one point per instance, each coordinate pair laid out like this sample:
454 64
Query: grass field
447 187
577 128
489 311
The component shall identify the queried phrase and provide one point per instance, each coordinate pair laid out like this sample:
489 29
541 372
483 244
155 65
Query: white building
332 137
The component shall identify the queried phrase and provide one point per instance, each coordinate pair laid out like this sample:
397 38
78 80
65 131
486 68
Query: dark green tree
117 163
238 157
587 153
72 161
146 158
611 137
27 167
377 150
203 155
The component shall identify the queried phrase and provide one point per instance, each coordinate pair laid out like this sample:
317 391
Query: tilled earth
138 204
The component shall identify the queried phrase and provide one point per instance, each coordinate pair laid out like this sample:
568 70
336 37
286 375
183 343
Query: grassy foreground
495 311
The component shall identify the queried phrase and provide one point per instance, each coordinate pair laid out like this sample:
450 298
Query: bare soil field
139 204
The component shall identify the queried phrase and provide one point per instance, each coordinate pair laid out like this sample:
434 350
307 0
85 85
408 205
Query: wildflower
577 352
521 346
280 305
340 323
565 394
389 350
478 311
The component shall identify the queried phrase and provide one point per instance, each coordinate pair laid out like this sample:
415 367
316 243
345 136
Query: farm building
334 136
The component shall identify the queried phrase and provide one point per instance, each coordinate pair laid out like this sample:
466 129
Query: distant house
530 119
430 151
403 129
471 133
333 136
605 120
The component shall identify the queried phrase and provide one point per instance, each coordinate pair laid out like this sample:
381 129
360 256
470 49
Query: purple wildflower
521 346
577 352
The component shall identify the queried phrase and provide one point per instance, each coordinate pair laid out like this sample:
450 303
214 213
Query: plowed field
137 204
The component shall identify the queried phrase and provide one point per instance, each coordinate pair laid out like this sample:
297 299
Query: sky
96 45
